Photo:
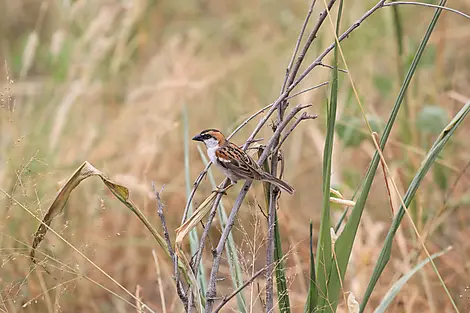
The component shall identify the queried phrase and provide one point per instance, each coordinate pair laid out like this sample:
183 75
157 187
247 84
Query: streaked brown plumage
234 162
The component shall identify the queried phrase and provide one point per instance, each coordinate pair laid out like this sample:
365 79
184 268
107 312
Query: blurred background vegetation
108 81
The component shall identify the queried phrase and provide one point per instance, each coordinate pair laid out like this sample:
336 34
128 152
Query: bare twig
311 37
226 299
304 116
429 5
297 45
331 67
207 228
306 90
273 194
319 59
166 234
248 120
211 291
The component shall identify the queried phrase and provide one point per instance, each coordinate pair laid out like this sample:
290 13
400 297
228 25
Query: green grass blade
324 253
393 291
345 240
193 237
281 281
425 166
312 290
230 248
341 219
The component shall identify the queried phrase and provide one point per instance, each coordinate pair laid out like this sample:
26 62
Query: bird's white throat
211 144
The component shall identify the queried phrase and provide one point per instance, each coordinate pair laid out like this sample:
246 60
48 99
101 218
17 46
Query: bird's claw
220 190
223 190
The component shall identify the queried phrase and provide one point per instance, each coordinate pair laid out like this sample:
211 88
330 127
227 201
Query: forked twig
297 45
311 37
303 117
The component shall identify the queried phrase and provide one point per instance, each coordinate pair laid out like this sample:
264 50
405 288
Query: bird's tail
280 183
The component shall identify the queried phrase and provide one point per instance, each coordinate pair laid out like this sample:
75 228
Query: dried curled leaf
85 171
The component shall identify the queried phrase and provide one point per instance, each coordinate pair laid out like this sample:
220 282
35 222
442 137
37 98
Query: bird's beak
198 138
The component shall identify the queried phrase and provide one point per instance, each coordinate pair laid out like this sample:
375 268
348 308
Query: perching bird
234 162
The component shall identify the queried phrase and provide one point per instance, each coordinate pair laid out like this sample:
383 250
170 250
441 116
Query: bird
235 163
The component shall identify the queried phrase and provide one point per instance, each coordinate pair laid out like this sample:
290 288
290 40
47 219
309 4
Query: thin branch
196 184
304 116
297 45
429 5
308 89
211 291
311 37
205 233
166 234
226 299
319 59
248 120
332 68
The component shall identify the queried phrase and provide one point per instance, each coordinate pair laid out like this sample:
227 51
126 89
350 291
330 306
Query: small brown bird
234 162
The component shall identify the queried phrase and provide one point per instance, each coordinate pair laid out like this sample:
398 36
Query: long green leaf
345 240
437 147
393 291
324 253
310 305
230 248
193 237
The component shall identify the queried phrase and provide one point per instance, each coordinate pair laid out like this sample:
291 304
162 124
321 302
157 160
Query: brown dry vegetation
108 81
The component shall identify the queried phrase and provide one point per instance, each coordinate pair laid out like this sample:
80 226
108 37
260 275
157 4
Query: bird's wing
235 159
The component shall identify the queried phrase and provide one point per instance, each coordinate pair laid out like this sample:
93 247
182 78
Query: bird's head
210 137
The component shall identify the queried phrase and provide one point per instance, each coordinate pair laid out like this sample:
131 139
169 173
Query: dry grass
106 81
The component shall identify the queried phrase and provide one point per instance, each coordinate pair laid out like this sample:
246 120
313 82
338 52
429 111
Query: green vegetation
124 85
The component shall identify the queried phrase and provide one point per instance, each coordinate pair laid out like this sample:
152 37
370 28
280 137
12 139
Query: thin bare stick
304 116
331 67
248 120
297 45
320 58
166 234
273 194
306 90
429 5
311 37
211 291
226 299
196 184
207 228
